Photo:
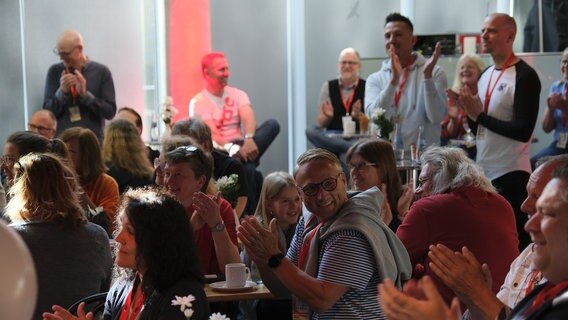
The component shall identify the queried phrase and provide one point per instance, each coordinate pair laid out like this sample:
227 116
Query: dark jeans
513 187
263 137
551 150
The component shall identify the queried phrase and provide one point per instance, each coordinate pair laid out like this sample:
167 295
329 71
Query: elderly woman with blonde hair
71 256
458 207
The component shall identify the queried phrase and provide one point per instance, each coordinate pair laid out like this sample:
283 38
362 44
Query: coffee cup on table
236 275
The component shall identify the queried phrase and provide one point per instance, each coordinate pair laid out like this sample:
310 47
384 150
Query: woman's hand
208 209
405 200
60 313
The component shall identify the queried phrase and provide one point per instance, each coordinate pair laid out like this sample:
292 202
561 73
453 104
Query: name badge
481 132
74 114
562 141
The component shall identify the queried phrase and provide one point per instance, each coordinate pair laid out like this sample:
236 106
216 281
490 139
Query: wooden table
261 292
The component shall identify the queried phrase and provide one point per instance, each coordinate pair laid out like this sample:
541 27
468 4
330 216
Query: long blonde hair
45 189
271 187
122 147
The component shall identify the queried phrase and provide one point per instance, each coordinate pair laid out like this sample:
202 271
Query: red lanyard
73 88
398 93
347 102
132 308
533 280
548 293
489 92
305 248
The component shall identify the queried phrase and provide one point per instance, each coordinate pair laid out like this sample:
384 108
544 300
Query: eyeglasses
189 150
328 184
421 182
351 63
360 166
63 53
40 129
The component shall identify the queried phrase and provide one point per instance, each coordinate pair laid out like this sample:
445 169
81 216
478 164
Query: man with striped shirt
340 252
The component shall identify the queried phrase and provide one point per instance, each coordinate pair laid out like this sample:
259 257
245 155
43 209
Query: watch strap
275 260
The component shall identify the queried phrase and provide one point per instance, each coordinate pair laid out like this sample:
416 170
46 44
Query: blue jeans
551 150
317 136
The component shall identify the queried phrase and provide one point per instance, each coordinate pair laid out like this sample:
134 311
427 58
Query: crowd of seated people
363 246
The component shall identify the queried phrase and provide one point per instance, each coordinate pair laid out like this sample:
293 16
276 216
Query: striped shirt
345 258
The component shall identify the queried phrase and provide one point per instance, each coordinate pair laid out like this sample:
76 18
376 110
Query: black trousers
513 187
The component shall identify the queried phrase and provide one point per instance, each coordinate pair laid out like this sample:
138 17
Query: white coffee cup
236 275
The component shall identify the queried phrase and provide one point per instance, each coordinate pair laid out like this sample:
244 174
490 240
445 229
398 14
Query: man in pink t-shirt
229 114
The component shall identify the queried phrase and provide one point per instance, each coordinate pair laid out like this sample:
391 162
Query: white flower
379 112
184 302
218 316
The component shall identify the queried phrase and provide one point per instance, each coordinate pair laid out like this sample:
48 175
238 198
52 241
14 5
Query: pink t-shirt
222 111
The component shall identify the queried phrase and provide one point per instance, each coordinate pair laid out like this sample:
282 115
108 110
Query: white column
504 6
408 8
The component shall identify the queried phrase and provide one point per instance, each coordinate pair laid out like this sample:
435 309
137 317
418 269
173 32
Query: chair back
94 304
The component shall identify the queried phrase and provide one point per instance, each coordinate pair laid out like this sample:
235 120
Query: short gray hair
452 169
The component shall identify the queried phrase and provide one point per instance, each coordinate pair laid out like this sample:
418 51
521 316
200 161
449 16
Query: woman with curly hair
71 256
126 156
155 247
86 156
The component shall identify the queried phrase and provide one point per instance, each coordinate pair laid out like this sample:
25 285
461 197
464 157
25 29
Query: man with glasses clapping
340 251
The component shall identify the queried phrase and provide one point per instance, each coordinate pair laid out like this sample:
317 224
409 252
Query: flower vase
373 130
384 135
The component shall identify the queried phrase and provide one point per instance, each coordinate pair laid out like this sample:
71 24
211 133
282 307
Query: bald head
69 38
44 123
70 49
538 180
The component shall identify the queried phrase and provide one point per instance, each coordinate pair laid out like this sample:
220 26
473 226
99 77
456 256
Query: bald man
79 91
503 115
44 123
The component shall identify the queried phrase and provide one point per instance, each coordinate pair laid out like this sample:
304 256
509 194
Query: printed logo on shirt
501 86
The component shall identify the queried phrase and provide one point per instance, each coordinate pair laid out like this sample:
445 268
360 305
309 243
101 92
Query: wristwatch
275 260
249 135
218 227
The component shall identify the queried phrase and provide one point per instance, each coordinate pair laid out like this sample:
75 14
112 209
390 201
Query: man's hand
66 81
326 109
556 101
429 66
81 83
417 301
461 272
207 208
261 243
249 150
60 313
471 103
395 65
356 108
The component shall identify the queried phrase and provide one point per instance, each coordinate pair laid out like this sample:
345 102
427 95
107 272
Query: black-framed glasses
328 184
359 166
190 150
